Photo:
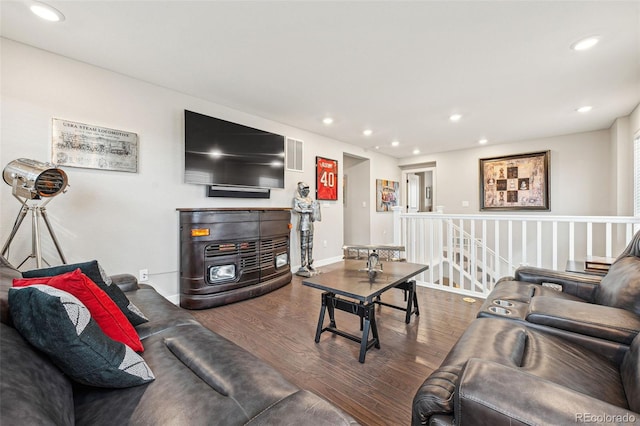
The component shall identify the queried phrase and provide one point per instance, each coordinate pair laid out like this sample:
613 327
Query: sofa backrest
632 249
630 373
620 288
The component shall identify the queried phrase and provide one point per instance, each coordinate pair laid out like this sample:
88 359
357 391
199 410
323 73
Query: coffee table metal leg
412 300
321 319
374 328
331 307
369 324
365 340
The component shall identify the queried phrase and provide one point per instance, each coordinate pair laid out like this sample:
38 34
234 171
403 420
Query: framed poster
88 146
387 194
515 182
326 179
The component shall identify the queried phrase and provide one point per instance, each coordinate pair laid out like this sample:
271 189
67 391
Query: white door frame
404 185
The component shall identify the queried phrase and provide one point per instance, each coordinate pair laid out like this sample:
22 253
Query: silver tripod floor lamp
34 184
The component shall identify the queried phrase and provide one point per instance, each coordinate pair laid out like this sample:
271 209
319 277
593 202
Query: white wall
622 166
634 120
128 221
382 222
581 173
357 222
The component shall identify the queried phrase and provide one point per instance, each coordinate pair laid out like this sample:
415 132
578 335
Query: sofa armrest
582 286
126 282
602 322
495 394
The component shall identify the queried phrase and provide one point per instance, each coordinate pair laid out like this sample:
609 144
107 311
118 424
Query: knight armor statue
308 211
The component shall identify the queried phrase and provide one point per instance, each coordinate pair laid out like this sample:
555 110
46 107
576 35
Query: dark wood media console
228 255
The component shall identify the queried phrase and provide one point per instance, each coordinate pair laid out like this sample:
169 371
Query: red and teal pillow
102 309
93 270
59 324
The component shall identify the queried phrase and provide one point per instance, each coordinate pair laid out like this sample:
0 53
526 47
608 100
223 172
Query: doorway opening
357 200
419 189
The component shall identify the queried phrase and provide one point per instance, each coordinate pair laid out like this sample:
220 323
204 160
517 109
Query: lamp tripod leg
35 238
43 212
21 214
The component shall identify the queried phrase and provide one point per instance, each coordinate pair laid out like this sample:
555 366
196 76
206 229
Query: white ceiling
398 67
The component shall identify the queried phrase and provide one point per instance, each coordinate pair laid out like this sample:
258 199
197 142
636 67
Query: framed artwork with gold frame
515 182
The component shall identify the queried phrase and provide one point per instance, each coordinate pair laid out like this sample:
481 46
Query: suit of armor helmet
308 211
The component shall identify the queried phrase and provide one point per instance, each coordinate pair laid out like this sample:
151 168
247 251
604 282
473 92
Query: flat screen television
219 152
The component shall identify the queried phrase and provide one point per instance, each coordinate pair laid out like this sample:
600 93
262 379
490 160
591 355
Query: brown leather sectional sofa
200 378
547 347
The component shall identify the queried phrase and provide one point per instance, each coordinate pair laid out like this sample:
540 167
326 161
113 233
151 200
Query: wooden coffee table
359 296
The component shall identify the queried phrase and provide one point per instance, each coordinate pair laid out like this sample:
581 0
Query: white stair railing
472 257
469 253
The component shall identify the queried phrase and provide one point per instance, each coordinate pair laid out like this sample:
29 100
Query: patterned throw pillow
58 324
102 309
94 271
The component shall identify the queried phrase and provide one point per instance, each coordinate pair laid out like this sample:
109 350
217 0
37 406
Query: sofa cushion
93 270
198 372
58 324
520 291
531 351
33 391
102 309
301 408
620 288
630 372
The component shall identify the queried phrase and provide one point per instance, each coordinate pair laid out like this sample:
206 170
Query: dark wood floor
279 328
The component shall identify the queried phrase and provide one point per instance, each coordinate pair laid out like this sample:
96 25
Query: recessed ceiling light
395 143
455 117
377 147
327 120
483 141
46 12
367 132
416 151
585 108
585 44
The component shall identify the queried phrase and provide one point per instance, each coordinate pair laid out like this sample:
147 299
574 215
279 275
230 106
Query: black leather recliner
587 308
503 372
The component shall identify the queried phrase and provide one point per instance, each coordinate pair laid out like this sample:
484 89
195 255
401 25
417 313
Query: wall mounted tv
219 152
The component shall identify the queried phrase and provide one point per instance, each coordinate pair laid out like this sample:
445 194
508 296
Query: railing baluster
450 253
484 257
554 239
461 254
523 260
539 243
440 252
589 238
510 245
473 267
421 245
608 239
572 242
496 246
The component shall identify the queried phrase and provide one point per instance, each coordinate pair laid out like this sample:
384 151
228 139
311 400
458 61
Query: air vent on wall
294 155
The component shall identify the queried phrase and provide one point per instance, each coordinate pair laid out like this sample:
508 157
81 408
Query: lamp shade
34 179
